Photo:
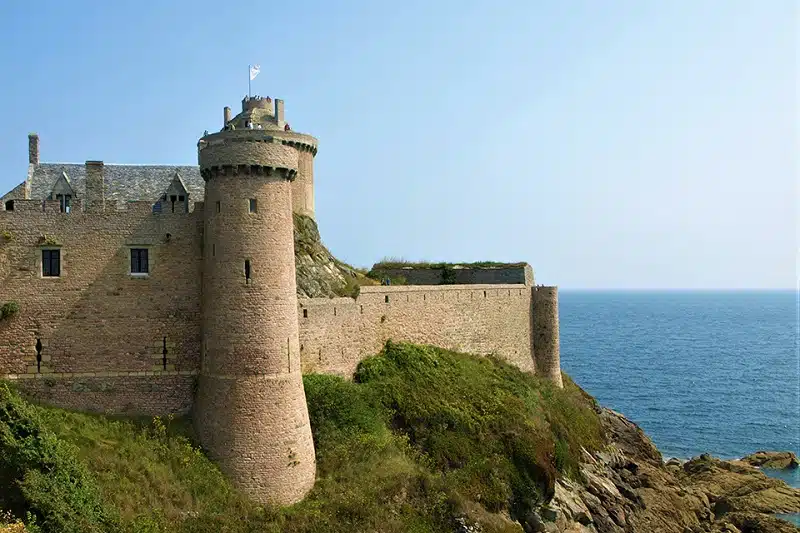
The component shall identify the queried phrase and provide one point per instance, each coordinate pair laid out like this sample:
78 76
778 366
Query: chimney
279 112
33 149
94 200
226 116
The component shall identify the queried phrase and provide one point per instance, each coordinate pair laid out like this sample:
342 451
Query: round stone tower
250 410
546 349
268 114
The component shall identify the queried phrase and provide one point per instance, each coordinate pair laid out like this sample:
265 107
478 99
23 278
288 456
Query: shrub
42 474
8 310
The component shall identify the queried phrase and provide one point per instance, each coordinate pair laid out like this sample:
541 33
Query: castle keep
172 289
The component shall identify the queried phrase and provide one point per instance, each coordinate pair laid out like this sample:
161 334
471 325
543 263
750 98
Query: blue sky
625 144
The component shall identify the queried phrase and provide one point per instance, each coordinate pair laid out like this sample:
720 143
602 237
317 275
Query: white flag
254 70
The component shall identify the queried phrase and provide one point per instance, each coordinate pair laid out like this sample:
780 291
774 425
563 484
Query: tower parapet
251 412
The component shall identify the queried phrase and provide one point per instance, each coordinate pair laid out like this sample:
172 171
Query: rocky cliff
319 273
627 488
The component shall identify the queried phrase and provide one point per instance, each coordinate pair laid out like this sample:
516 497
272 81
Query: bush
8 310
42 475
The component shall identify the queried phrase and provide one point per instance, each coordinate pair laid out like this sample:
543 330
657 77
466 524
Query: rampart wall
461 275
102 332
335 334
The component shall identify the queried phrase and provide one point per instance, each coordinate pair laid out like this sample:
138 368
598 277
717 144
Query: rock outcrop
319 273
774 460
626 488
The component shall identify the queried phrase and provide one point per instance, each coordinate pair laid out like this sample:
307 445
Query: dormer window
10 205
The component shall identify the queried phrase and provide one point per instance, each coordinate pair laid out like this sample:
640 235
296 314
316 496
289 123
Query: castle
170 289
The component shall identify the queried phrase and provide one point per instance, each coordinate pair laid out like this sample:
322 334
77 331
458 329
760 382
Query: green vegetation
421 438
7 235
394 262
8 309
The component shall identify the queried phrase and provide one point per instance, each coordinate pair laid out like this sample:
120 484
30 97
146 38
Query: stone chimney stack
279 117
226 116
33 148
94 201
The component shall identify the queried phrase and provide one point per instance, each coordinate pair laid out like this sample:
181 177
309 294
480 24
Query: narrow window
213 250
38 355
51 263
484 294
10 205
164 354
217 206
305 313
139 262
64 201
247 270
386 298
253 205
173 199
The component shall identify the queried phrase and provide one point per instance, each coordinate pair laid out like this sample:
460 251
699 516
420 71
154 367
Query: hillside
423 440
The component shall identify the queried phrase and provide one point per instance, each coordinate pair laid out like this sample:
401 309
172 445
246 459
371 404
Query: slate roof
123 183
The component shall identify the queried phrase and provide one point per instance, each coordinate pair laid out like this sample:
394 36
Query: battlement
77 208
258 102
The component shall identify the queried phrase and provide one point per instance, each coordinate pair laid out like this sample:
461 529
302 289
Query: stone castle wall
335 334
102 330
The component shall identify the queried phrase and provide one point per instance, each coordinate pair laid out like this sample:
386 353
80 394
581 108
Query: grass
395 262
420 438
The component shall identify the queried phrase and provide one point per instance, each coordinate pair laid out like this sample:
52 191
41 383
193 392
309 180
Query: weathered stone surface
774 460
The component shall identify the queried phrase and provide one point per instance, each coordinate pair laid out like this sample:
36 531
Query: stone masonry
137 296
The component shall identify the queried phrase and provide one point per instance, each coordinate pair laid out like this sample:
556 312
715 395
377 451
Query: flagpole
248 81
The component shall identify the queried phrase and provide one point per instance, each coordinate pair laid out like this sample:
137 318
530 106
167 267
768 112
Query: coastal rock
627 488
736 486
774 460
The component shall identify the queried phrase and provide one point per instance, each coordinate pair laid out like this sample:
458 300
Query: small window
181 198
10 205
51 263
247 270
305 313
64 201
139 261
217 206
386 299
253 205
213 250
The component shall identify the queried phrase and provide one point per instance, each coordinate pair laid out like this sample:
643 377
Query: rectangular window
139 264
253 205
64 201
51 263
217 206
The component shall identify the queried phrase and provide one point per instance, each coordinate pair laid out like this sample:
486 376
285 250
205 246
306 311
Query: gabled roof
62 186
123 183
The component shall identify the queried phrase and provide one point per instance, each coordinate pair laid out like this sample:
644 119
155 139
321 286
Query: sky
634 144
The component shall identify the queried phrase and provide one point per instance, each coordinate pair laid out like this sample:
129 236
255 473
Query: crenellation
128 306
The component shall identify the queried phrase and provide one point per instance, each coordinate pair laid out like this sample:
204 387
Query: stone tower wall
303 185
250 410
545 333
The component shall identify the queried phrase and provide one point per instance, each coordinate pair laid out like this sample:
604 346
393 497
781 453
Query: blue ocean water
700 372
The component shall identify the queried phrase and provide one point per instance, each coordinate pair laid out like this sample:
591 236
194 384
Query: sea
700 372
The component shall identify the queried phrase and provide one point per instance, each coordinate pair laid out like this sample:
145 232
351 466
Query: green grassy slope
422 437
